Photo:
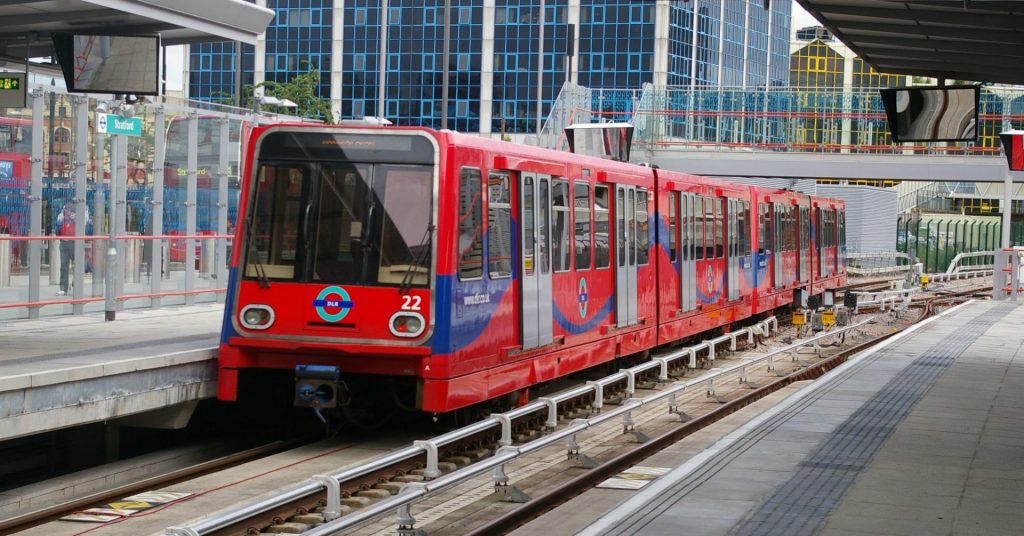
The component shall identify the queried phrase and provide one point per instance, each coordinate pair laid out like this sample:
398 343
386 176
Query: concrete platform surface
63 371
924 435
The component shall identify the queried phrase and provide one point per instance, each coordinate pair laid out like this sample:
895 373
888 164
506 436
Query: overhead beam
920 13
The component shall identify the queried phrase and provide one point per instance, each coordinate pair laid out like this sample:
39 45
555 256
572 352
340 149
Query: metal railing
436 482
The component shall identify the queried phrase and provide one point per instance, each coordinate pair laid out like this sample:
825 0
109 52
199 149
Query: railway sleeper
288 527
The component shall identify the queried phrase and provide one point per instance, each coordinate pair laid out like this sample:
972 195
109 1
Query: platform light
257 316
406 324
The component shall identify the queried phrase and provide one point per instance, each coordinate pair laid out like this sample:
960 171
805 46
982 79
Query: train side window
561 250
842 228
698 226
719 228
620 226
762 229
709 228
672 225
687 210
602 257
631 227
471 248
499 226
643 238
581 204
745 230
544 226
737 247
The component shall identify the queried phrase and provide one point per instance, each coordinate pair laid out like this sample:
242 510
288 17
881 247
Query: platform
924 435
66 371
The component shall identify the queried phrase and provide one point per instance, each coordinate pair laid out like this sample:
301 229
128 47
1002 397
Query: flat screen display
932 113
126 64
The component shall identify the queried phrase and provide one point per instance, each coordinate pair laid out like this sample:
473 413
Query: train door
805 243
535 259
777 271
688 265
732 249
625 255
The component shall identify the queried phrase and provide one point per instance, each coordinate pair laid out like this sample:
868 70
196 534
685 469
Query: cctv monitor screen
126 64
932 113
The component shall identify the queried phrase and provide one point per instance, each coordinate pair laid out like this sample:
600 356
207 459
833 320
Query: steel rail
233 516
415 492
556 496
37 517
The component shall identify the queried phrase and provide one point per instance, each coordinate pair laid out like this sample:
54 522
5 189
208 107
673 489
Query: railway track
613 448
39 517
471 504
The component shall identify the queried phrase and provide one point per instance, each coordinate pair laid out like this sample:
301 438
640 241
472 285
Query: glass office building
504 56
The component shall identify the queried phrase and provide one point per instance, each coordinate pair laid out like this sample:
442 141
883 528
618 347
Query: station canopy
177 21
969 40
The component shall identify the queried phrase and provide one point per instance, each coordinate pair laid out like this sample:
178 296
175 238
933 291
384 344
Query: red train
439 270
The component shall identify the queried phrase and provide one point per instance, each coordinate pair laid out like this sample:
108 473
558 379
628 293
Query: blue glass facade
493 57
212 70
299 41
516 44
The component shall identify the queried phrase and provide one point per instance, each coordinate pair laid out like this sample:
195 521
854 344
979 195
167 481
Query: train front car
334 266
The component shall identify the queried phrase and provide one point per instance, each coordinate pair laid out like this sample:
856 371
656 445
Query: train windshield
345 222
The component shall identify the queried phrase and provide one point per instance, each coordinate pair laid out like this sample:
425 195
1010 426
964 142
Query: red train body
456 269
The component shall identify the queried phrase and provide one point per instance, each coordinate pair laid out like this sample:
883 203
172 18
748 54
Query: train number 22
411 303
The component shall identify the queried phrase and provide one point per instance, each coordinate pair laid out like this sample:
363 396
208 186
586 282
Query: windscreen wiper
250 240
424 250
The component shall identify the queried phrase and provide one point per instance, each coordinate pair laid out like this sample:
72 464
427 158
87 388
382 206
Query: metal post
98 212
928 247
110 301
945 248
120 176
444 62
35 202
220 269
1007 208
81 208
190 206
157 261
382 88
540 70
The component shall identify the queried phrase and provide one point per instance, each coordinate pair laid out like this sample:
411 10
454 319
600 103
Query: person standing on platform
65 226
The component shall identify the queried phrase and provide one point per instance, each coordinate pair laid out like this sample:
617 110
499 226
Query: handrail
414 492
954 265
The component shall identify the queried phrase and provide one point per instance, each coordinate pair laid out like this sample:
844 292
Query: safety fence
938 242
149 189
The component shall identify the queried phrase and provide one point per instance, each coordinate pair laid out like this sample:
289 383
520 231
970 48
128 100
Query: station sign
116 124
12 90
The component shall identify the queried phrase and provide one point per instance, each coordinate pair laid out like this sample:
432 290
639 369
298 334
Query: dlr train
433 271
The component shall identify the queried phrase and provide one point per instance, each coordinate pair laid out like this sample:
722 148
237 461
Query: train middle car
444 270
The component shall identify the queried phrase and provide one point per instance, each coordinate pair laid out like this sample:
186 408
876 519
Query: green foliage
301 90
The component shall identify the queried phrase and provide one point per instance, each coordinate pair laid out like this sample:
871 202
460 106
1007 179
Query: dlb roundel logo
710 280
582 297
333 304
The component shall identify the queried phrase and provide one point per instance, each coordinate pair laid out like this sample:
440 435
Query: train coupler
317 387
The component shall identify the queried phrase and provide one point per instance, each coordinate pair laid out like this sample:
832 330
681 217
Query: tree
301 90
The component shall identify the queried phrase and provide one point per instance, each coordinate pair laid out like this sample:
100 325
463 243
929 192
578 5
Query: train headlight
257 316
406 324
